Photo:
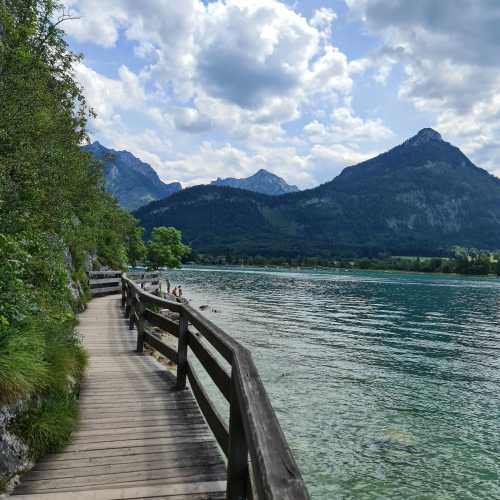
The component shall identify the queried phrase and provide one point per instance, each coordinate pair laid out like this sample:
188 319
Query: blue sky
302 88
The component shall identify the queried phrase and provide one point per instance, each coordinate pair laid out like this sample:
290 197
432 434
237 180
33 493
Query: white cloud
449 52
222 81
345 127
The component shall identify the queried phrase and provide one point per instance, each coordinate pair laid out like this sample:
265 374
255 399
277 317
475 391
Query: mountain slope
132 182
261 182
421 197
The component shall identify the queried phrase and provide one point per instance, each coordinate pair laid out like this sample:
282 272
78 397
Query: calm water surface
387 384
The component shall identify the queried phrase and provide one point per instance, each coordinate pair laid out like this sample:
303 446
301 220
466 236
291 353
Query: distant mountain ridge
262 181
131 181
421 197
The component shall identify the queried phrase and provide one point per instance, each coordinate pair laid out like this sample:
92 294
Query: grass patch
22 367
41 357
48 426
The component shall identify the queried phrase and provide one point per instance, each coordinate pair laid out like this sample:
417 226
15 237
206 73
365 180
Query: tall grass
47 427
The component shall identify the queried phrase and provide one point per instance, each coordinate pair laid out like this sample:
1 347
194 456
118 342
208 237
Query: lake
386 384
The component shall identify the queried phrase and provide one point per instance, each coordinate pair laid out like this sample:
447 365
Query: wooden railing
106 282
260 464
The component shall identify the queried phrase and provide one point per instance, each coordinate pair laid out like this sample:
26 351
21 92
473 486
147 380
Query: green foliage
136 249
54 213
419 198
23 371
165 248
482 263
48 426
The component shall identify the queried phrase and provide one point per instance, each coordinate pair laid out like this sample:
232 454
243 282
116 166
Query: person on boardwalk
174 291
179 291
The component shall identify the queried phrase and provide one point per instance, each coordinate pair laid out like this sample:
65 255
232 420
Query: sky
303 88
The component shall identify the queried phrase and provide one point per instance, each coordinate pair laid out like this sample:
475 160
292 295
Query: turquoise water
386 384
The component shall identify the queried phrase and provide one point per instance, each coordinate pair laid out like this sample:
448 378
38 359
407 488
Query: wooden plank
182 347
212 416
217 372
168 476
147 464
273 464
133 427
141 433
238 479
138 442
94 274
109 279
130 451
162 322
161 455
135 430
222 342
148 298
109 289
156 343
168 491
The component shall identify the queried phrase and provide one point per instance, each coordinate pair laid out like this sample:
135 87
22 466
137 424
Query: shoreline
328 268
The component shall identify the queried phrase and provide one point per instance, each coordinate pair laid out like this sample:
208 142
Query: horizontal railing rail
109 282
260 464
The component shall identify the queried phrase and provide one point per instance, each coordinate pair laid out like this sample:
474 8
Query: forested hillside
56 221
422 197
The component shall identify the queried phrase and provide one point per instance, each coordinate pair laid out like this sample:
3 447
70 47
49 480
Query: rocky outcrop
14 453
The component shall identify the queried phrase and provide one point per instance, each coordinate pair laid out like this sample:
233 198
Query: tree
54 214
165 248
136 248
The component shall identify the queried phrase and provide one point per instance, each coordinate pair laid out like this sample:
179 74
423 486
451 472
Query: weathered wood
206 488
218 374
160 346
212 416
167 476
56 460
96 274
182 352
276 472
135 430
160 321
237 473
150 299
160 454
255 427
110 279
140 327
132 309
105 289
222 342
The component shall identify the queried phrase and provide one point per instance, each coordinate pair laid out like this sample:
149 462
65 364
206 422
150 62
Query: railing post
131 319
182 351
123 293
237 457
127 300
140 327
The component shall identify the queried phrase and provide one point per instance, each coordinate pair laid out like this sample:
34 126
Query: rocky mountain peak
262 181
425 136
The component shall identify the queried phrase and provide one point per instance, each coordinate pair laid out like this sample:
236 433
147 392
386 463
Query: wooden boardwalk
138 438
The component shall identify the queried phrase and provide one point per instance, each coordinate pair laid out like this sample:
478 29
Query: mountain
260 182
420 198
131 181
